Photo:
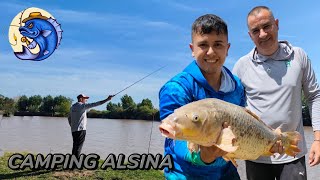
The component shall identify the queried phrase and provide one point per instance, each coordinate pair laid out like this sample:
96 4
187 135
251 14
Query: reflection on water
104 136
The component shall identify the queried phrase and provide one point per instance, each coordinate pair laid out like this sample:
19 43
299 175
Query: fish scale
257 137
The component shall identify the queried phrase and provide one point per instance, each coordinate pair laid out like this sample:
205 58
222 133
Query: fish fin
256 117
290 141
58 29
234 162
193 147
32 45
292 150
228 148
252 114
26 54
278 131
268 153
45 52
46 33
226 140
226 158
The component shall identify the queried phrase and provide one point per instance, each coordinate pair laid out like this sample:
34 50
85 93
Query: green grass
7 173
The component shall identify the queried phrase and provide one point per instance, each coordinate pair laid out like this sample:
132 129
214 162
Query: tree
62 105
22 104
145 110
127 102
47 104
8 106
305 112
129 107
95 113
1 102
157 115
115 110
34 103
114 107
146 102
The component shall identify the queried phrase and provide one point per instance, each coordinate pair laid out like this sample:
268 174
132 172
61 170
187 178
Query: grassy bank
7 173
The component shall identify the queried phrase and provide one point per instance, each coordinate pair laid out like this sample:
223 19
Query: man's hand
277 147
110 97
314 155
209 154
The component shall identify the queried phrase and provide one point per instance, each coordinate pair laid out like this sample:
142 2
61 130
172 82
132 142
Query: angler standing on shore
78 120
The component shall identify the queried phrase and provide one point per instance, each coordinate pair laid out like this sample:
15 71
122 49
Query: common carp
245 137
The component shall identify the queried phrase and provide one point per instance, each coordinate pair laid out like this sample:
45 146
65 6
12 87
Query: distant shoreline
50 115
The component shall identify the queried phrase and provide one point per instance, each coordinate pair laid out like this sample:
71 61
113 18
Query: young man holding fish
206 77
273 74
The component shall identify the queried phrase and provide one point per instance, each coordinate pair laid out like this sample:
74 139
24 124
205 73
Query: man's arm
98 103
312 94
69 119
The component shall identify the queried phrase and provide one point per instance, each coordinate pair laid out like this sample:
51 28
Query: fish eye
195 118
175 119
30 25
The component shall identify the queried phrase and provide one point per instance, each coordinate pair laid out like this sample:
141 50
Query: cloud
184 7
179 6
113 21
91 81
14 6
73 70
116 22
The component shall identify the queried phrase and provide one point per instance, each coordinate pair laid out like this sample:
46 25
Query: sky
108 45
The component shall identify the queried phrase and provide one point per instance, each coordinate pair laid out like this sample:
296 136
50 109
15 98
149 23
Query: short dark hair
207 23
257 10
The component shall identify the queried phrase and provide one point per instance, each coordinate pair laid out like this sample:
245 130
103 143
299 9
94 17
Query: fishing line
152 114
1 116
150 133
140 80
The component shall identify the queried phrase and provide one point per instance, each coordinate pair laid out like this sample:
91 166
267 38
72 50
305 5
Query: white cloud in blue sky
108 45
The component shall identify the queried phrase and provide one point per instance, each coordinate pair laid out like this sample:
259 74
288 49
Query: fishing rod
153 114
140 79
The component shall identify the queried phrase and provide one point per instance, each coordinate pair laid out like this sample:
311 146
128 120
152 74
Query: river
104 136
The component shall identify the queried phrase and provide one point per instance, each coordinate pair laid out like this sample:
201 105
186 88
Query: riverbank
89 115
7 173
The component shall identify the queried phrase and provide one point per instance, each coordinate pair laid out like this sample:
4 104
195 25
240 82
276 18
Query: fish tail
290 142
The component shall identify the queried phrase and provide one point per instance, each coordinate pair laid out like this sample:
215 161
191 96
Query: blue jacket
188 86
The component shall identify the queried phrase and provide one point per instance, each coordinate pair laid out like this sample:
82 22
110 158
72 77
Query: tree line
60 106
126 109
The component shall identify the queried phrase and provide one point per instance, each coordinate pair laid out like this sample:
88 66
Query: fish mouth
26 32
164 132
167 130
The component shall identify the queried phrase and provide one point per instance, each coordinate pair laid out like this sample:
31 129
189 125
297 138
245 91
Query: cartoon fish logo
36 36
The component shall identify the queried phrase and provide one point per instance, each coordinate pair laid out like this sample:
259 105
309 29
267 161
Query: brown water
104 136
